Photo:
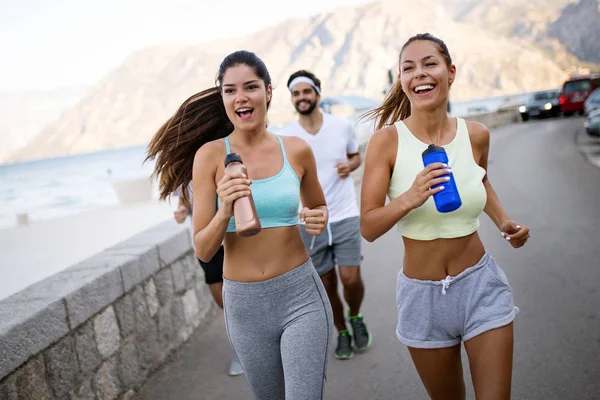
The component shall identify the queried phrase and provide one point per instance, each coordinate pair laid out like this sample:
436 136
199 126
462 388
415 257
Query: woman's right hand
230 188
420 190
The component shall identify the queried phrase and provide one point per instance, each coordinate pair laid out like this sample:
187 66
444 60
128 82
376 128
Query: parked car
575 91
477 110
592 123
592 103
542 104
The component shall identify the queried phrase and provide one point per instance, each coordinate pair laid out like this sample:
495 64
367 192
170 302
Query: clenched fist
315 220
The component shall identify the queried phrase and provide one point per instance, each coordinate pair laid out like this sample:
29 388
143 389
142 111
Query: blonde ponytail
395 107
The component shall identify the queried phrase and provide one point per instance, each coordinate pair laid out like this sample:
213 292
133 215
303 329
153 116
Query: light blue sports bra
276 198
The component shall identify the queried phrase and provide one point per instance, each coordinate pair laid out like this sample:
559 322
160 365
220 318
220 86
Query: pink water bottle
244 211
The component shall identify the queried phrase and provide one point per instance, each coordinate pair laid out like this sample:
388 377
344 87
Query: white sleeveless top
425 222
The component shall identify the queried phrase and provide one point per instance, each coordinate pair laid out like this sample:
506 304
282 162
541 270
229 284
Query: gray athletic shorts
339 243
437 314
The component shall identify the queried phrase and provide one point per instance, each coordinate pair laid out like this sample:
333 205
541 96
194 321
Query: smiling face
304 98
245 97
425 74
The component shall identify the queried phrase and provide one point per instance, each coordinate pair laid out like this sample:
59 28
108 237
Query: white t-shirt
332 144
178 192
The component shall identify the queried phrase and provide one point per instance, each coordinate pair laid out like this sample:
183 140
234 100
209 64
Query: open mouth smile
245 112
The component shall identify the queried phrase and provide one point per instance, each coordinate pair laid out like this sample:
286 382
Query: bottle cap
432 148
232 157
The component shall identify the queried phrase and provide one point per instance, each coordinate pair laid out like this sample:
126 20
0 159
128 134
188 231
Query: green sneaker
362 336
343 351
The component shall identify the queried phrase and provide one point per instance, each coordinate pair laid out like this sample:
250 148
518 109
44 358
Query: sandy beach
31 253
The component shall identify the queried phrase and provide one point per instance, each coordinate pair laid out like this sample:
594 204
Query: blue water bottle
448 199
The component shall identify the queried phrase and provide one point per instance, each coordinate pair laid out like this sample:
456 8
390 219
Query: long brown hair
396 106
199 120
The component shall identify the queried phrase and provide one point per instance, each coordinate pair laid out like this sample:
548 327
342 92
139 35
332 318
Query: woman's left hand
516 234
315 220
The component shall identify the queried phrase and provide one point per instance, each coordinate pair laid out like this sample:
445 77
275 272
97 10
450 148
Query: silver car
592 102
541 104
592 123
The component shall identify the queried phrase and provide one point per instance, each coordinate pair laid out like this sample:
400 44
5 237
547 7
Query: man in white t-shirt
334 145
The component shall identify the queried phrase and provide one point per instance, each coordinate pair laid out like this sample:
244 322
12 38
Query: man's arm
354 161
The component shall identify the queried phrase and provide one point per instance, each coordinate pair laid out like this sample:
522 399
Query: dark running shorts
213 270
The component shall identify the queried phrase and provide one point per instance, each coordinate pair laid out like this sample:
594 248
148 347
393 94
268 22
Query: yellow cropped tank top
425 222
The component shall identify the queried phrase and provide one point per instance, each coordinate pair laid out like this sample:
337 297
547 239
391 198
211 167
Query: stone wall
496 119
98 329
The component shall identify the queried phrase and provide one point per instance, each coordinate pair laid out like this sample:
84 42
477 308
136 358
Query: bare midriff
270 253
436 259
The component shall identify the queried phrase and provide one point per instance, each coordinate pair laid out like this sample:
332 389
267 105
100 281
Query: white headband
304 79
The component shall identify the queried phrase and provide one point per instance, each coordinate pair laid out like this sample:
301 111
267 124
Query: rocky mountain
507 17
350 49
578 28
560 26
24 114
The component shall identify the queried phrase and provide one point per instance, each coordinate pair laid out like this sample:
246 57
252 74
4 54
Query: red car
575 91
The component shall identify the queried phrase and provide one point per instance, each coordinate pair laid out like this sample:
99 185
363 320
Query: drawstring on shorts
329 237
446 283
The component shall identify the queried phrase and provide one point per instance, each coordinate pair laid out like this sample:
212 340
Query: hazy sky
48 44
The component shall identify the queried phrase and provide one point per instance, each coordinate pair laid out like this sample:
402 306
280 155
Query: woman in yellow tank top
450 290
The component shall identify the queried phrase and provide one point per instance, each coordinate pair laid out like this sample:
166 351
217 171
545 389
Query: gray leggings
280 329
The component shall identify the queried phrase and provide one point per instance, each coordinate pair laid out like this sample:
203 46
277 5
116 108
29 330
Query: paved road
589 147
543 181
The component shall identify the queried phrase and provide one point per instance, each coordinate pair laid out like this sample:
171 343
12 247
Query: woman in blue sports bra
277 313
450 290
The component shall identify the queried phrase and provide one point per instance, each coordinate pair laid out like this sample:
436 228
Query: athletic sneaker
343 350
235 368
362 336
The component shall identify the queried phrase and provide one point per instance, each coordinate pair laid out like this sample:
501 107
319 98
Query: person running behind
333 142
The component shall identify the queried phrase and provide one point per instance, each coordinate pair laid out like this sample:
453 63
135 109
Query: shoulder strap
285 160
401 128
405 137
227 146
462 132
461 126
